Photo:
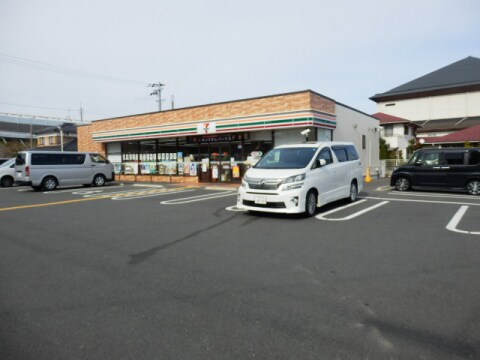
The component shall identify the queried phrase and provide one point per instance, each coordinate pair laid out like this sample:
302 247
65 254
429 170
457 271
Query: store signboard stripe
243 126
218 121
234 120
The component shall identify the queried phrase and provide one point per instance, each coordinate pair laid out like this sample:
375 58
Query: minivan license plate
260 200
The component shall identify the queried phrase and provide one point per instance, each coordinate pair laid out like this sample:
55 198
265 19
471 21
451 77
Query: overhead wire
16 60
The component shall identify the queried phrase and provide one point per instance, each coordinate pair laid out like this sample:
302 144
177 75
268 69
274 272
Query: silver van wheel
310 203
353 192
49 183
7 181
99 180
473 187
402 184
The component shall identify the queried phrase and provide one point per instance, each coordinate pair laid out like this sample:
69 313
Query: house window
51 140
405 131
41 141
388 130
364 141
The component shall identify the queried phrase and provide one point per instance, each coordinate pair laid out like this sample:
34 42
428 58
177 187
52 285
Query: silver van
48 169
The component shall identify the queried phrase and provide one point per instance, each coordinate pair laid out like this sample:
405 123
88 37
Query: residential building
57 138
439 103
397 132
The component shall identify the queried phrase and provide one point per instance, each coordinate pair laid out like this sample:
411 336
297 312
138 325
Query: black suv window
474 157
453 158
430 158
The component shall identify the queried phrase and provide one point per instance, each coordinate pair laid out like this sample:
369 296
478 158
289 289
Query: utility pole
81 113
173 102
158 91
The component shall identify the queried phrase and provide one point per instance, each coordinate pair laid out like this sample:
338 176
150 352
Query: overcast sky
58 54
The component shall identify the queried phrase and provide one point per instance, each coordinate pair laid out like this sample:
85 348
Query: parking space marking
452 225
421 201
74 190
198 198
234 208
136 194
352 216
453 196
145 194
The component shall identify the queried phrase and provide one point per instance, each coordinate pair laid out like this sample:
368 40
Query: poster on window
193 169
236 172
214 172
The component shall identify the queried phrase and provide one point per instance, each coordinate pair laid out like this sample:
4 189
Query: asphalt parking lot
175 271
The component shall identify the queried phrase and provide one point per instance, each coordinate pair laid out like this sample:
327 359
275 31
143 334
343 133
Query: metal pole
160 87
61 139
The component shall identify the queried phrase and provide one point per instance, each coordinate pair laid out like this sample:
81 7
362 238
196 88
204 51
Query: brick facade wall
277 103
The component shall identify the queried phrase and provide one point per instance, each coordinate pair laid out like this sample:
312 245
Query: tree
386 152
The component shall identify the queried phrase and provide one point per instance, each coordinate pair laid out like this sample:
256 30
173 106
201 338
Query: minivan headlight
294 182
295 178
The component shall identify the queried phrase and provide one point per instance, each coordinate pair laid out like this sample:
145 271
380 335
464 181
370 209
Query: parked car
49 169
452 168
297 178
7 173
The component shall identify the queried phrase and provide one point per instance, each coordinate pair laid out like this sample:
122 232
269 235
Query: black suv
453 168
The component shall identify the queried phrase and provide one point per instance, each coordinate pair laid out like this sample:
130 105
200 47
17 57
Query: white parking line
139 196
452 225
434 195
352 216
198 198
420 201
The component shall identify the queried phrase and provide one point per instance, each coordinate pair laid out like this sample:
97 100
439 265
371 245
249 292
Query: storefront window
167 156
130 151
114 155
148 157
254 150
187 157
324 135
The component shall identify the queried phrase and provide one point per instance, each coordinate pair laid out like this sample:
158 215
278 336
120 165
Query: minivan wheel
49 183
473 187
99 180
402 184
7 181
310 203
353 191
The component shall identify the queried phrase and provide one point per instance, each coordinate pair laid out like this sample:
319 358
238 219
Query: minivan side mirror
321 162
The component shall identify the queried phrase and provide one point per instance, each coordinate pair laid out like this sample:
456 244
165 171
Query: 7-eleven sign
207 128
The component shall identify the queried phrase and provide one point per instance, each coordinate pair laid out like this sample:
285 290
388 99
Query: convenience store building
218 142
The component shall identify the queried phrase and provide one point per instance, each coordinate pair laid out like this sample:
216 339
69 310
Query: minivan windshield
287 158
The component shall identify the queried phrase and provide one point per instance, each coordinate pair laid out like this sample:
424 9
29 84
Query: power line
39 117
33 106
15 60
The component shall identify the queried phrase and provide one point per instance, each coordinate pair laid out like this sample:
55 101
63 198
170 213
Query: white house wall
434 107
351 125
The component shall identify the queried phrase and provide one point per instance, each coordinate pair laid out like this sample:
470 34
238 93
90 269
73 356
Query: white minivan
48 169
299 177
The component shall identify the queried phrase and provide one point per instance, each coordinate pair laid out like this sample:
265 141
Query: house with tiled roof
459 138
442 102
397 132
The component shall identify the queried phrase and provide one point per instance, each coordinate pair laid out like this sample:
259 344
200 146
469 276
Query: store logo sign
207 128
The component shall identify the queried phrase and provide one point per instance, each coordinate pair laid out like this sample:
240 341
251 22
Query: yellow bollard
368 178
